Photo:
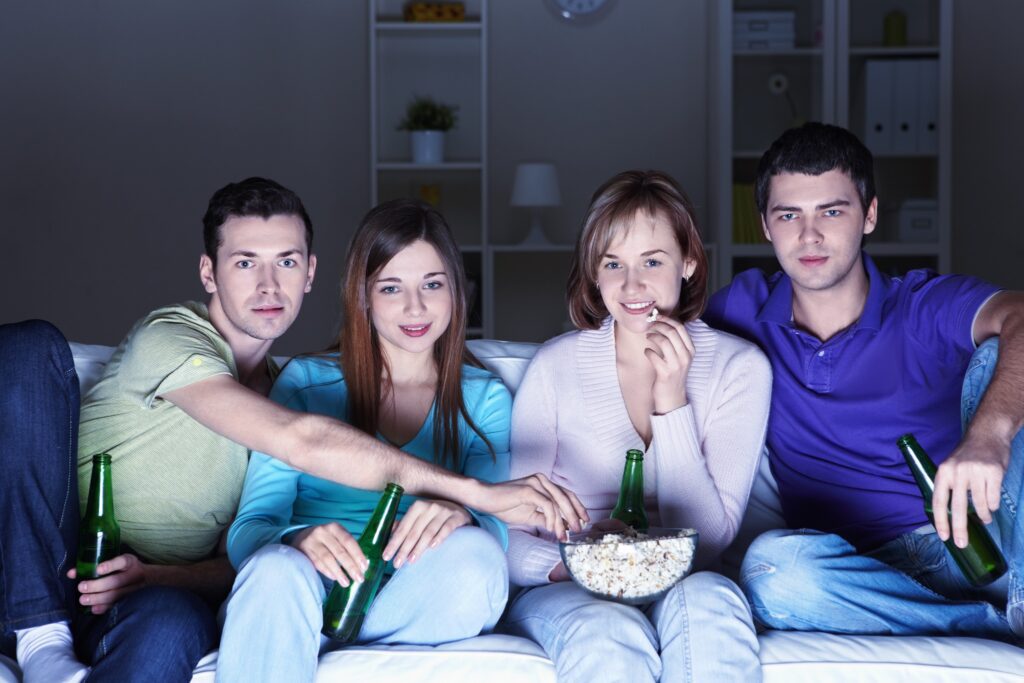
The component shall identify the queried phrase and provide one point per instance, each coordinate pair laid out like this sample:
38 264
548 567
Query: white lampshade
536 185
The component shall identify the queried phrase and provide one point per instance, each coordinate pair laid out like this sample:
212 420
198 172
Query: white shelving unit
825 68
446 61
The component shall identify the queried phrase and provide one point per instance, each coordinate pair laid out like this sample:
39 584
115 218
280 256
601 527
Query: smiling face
816 225
642 268
411 301
263 271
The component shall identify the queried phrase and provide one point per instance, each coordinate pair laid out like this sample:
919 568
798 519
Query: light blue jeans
274 614
700 631
807 580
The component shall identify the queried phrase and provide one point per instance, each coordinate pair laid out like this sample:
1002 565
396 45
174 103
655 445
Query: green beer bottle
630 506
346 606
99 537
980 562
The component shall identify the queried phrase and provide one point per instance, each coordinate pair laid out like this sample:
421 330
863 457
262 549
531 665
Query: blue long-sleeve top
278 500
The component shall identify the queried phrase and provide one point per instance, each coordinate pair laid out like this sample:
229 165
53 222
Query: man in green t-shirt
178 407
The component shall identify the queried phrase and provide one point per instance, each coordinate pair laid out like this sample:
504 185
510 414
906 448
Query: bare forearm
209 579
1001 413
338 452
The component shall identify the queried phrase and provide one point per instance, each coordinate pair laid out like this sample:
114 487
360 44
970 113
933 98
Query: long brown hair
613 208
386 230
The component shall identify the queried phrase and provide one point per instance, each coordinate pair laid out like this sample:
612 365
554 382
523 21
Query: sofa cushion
495 658
792 657
788 657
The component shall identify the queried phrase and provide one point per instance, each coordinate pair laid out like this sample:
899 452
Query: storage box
774 30
918 220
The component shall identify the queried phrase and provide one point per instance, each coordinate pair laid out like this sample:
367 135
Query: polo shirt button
820 354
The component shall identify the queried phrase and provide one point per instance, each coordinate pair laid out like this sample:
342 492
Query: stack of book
746 222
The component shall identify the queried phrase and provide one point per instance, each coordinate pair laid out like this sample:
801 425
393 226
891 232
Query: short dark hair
812 149
251 197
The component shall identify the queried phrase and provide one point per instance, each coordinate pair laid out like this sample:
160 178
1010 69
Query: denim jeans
152 634
812 581
274 615
700 631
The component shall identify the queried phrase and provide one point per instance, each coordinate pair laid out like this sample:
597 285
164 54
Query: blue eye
288 263
244 265
433 284
832 213
612 265
652 263
787 216
388 289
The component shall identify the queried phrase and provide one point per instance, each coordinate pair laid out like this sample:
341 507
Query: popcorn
653 315
629 567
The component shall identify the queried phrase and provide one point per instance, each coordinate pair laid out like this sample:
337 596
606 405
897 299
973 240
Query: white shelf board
904 51
902 248
785 52
444 166
431 27
530 248
751 249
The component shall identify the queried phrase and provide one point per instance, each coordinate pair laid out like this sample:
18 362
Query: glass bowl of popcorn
626 566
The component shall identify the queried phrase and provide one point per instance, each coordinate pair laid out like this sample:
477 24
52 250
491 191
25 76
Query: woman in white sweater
694 399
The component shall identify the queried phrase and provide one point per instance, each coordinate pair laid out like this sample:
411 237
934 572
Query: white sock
46 655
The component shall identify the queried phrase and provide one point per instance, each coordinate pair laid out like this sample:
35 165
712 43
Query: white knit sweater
569 421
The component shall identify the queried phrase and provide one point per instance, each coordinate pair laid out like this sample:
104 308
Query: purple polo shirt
839 406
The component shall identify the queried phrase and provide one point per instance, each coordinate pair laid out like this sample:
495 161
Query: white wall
119 119
988 141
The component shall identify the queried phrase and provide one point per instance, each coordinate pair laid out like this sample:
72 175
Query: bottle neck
101 493
632 490
921 466
378 529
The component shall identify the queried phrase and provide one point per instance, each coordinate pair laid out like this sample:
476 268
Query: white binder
906 109
928 107
878 97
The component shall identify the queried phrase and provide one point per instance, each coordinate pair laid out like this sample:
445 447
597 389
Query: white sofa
787 657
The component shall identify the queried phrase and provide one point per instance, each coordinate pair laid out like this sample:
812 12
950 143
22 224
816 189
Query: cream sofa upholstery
787 657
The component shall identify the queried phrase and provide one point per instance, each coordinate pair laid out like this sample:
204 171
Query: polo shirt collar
778 307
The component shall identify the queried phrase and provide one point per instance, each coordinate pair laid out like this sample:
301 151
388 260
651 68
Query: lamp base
535 237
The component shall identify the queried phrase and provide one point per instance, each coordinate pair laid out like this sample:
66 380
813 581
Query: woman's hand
424 526
332 549
670 351
116 578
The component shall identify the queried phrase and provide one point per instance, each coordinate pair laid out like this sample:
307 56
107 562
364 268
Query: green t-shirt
176 483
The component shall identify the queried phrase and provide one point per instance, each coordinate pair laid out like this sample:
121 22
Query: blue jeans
700 631
807 580
274 615
152 634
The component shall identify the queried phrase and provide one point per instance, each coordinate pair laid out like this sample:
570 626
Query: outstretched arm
313 443
979 463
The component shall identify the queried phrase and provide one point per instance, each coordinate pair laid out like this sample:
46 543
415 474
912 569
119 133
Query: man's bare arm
333 450
979 463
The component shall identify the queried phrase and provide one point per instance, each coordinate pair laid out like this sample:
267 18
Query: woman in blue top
405 375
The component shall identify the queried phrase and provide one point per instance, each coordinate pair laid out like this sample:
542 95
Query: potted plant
427 120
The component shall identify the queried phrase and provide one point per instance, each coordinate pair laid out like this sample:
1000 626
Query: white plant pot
427 146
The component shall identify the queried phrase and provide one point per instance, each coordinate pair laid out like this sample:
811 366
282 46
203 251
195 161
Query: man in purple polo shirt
860 358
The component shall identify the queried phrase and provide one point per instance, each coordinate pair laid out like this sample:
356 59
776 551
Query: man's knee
782 563
176 618
32 339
